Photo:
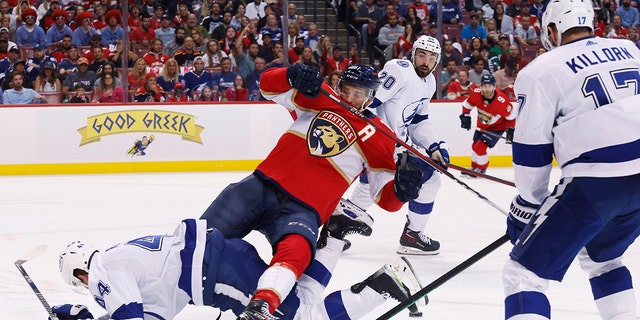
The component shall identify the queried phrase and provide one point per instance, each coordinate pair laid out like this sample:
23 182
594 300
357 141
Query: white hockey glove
520 213
71 312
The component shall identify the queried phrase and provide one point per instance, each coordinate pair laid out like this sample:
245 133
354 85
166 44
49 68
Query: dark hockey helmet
488 79
362 76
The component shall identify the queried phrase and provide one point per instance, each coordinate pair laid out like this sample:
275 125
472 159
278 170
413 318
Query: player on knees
402 102
582 114
495 116
298 186
160 274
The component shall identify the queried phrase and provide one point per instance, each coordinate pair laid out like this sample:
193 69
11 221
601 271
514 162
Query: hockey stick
481 175
491 133
445 277
34 253
386 131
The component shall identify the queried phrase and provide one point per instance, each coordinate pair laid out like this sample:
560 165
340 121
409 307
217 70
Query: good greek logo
140 121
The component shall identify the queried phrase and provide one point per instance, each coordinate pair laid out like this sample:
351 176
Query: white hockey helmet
76 256
565 14
427 43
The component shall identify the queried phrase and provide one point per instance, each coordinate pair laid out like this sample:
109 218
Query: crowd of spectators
217 49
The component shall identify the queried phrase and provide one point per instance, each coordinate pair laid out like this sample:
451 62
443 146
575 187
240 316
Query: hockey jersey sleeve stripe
419 117
186 255
610 154
376 103
528 155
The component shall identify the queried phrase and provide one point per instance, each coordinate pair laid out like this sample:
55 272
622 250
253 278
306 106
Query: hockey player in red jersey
495 116
298 186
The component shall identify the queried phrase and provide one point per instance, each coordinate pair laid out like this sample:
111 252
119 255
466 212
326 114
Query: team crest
329 135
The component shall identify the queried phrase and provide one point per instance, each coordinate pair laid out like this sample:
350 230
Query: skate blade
415 252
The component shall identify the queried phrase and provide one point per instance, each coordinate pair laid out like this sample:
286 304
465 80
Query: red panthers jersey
493 114
325 150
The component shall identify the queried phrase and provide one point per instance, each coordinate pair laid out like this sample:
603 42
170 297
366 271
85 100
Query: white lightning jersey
152 277
577 103
402 102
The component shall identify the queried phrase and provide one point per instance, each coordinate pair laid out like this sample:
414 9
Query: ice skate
257 310
416 243
347 219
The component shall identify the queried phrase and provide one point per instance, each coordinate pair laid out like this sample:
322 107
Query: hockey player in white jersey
580 103
402 101
155 277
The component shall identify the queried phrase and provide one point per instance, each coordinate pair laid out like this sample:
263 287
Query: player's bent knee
517 278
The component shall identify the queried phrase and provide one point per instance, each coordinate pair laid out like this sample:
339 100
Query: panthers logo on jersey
329 135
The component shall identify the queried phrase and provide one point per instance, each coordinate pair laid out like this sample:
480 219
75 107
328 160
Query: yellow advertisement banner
141 121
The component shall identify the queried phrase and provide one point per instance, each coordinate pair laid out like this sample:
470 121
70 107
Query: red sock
270 297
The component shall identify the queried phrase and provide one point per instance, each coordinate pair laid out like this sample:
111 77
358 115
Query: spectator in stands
237 92
473 30
272 28
460 88
195 79
6 64
170 75
34 64
135 16
213 55
451 13
30 34
421 11
450 53
333 80
628 14
516 54
537 8
324 45
337 61
632 32
180 19
312 39
81 95
307 58
295 51
503 21
293 32
402 48
113 31
4 34
220 30
541 51
62 51
117 57
207 94
18 94
68 64
45 13
488 9
246 59
253 79
150 91
302 24
47 80
496 51
389 34
506 76
615 29
228 43
223 79
192 26
96 40
366 18
267 11
4 48
478 70
213 19
525 11
236 19
255 9
85 31
83 76
448 75
605 11
475 44
177 43
178 93
99 11
513 9
525 34
18 67
108 91
166 32
493 33
138 75
143 34
188 53
388 10
59 29
107 68
98 59
156 57
412 18
157 11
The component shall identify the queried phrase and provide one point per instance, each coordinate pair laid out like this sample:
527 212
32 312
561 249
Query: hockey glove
304 78
438 152
520 213
408 179
510 135
465 121
71 312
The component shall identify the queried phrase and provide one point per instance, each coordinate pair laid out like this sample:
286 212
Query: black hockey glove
520 213
71 312
304 78
408 179
510 135
465 121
